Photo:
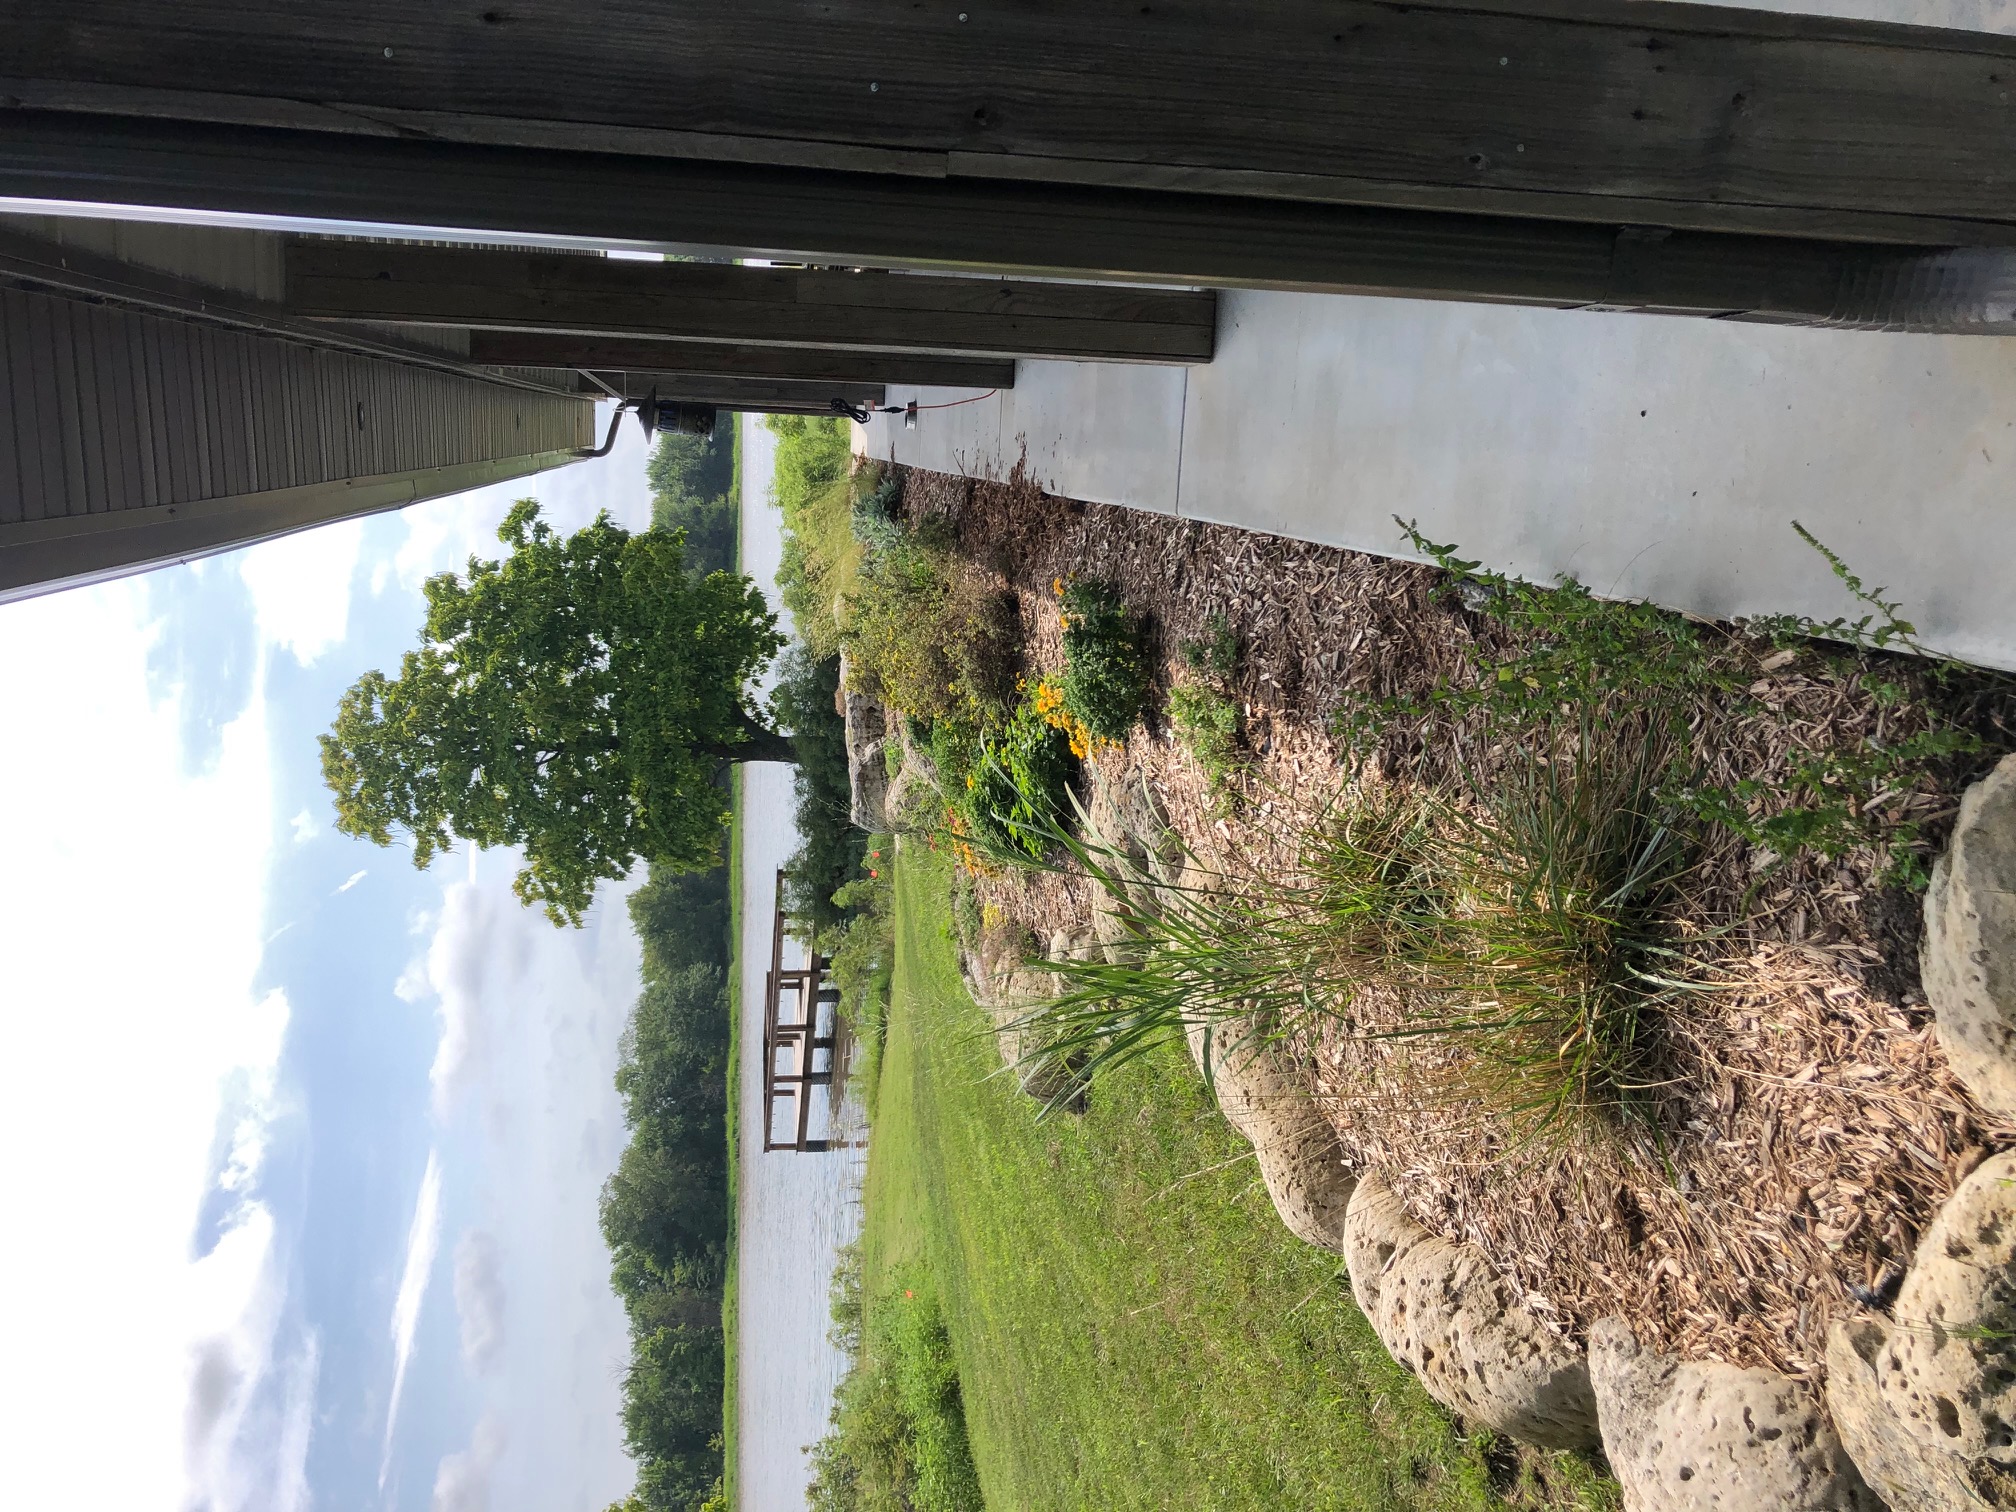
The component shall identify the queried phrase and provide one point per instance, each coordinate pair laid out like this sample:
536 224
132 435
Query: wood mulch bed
1810 1129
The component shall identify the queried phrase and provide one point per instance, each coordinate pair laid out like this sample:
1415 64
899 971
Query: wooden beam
486 289
1052 230
541 349
761 395
1678 115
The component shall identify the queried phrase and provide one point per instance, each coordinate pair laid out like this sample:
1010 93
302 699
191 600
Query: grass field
1132 1325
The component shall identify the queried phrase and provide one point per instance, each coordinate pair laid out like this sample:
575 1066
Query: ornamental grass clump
1524 936
1106 677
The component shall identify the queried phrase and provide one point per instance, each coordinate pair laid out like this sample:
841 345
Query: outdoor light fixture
674 415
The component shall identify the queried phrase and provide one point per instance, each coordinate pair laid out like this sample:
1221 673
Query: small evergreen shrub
1106 678
1206 723
1214 655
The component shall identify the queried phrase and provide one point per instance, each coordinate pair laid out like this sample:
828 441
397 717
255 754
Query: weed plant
1214 655
898 1440
1569 656
1206 724
927 633
1202 712
1106 678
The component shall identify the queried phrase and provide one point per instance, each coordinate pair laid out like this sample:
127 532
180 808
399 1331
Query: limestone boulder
1265 1097
1700 1436
1947 1371
1968 960
867 768
1117 924
1007 982
912 803
1443 1311
1898 1466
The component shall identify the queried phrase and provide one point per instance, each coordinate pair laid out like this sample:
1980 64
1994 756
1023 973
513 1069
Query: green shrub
1106 678
927 633
863 953
1009 788
830 849
1207 724
812 455
820 561
898 1440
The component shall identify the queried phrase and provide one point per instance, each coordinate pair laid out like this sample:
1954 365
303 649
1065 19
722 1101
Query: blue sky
302 1145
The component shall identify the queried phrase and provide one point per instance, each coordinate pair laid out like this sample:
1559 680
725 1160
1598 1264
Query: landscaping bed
1794 1125
1130 1325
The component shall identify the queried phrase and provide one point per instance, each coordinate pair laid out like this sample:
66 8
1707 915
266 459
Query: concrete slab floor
1652 457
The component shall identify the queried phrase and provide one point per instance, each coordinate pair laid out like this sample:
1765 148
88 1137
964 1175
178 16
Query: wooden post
716 302
763 396
1056 230
543 349
1660 114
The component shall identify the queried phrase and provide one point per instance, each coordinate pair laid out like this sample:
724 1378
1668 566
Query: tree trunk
758 743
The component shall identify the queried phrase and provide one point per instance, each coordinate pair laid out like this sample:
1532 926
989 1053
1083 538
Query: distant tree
831 851
672 1414
672 1071
576 699
681 919
698 467
665 1201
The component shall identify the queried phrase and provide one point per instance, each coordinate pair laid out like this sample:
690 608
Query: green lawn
1133 1326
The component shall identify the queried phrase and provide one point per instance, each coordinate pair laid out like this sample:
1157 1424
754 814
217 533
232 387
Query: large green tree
576 699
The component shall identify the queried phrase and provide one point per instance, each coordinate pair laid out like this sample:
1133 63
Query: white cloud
445 533
423 1241
480 936
305 827
549 1012
462 1483
297 1427
351 881
301 586
479 1301
157 1020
